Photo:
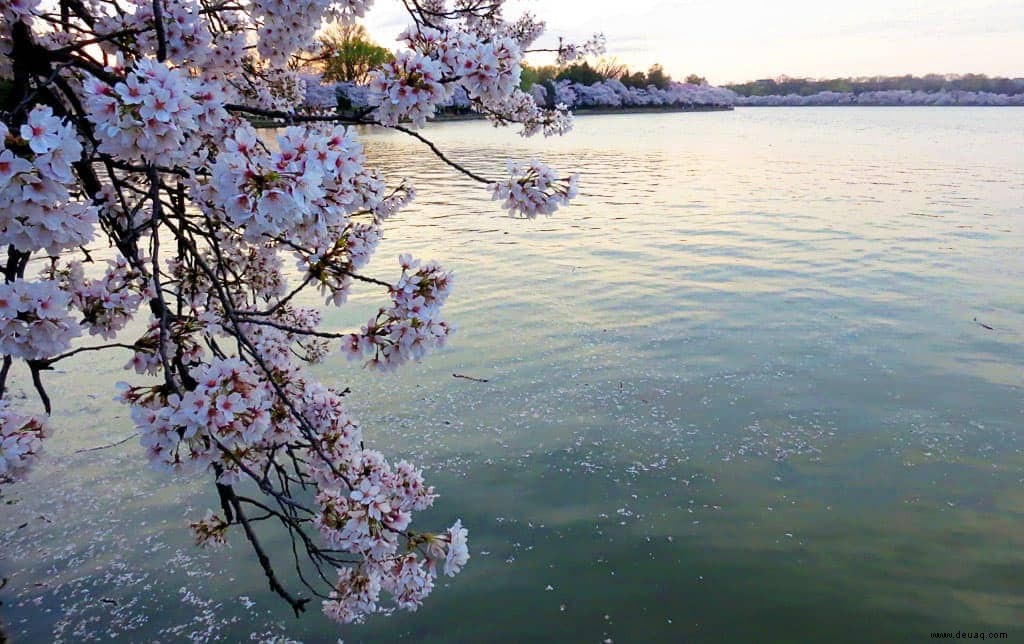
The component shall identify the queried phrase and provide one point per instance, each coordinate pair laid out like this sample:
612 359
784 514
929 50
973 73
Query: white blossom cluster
408 88
21 440
188 39
219 422
34 320
211 530
569 53
409 579
534 189
287 26
411 325
306 188
216 55
106 303
487 70
521 107
148 359
526 29
155 115
37 210
448 67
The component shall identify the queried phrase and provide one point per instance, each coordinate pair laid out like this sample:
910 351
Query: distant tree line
586 73
784 85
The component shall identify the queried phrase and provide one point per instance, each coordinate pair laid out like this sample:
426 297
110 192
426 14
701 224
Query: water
740 390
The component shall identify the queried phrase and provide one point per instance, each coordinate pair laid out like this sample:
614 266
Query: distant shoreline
595 111
653 109
583 111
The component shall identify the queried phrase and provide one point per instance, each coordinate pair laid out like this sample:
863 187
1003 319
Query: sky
740 40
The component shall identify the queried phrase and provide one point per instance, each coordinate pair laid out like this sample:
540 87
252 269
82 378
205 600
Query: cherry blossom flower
534 189
34 320
37 209
458 550
154 115
211 530
409 88
21 441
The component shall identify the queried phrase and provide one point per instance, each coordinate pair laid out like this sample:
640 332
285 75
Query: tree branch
298 604
439 154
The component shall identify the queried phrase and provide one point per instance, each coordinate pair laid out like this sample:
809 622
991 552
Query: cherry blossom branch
35 368
244 341
115 345
161 36
109 445
131 122
298 604
4 371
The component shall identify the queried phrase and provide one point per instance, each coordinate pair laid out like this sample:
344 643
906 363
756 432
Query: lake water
741 390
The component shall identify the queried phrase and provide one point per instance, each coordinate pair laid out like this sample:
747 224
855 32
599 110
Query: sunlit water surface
740 390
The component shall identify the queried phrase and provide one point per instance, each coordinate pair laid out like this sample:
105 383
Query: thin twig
37 382
161 37
298 604
4 371
439 154
63 356
96 449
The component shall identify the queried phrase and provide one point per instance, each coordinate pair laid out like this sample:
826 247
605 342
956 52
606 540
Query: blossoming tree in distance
128 123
